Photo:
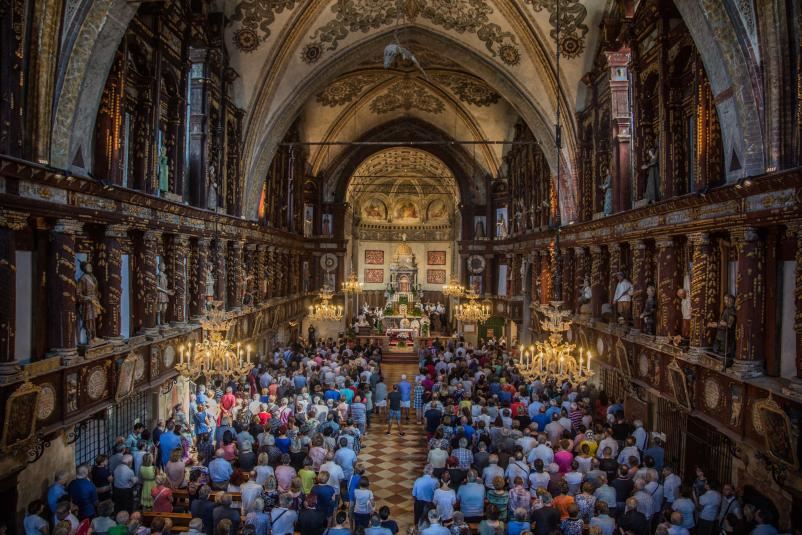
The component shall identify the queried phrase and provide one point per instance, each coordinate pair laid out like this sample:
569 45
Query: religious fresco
437 210
405 211
374 209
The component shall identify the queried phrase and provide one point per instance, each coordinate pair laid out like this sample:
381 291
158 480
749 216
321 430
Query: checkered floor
392 462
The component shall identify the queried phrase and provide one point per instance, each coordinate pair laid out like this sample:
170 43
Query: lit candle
580 364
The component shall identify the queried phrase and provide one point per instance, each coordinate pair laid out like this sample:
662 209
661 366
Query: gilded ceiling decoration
461 16
406 95
469 89
255 18
572 24
345 90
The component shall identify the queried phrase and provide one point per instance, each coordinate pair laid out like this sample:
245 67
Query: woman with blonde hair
147 474
162 496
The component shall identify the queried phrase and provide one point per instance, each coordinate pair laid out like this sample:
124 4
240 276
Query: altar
404 319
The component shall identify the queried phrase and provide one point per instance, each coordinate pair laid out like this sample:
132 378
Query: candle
249 353
541 362
561 364
580 364
588 361
181 354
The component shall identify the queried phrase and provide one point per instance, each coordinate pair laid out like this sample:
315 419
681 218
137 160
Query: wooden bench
180 520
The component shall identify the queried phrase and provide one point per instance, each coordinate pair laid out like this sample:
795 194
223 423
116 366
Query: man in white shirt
492 471
622 299
250 490
541 451
729 504
607 442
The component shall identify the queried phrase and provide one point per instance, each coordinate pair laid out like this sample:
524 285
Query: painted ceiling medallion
255 18
460 16
712 394
345 90
406 95
643 365
572 23
96 382
46 402
469 89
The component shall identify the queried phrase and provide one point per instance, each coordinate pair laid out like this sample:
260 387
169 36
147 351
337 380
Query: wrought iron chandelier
453 288
352 286
215 357
555 359
472 311
325 311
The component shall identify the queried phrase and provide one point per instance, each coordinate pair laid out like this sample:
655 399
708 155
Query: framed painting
20 417
374 257
777 431
125 377
475 284
676 377
374 276
436 276
436 258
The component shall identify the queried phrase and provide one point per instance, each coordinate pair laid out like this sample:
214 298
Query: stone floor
392 462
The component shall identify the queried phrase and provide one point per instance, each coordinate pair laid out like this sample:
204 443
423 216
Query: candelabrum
325 311
453 288
554 359
472 311
216 357
352 286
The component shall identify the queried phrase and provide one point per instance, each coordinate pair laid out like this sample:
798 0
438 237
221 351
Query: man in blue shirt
657 452
471 499
133 438
423 492
405 388
345 458
57 490
83 493
167 443
220 471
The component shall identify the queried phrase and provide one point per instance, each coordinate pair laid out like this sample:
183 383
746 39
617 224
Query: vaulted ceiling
485 64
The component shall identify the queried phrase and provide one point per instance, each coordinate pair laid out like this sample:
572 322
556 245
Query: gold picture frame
126 377
777 432
622 359
20 416
676 377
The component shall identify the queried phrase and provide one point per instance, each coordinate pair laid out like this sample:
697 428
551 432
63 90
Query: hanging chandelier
453 288
325 311
215 357
352 286
554 359
472 311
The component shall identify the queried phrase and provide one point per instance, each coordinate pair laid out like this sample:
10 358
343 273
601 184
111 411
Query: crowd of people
512 457
277 453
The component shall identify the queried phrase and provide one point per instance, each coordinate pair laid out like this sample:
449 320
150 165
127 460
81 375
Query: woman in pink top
564 457
175 470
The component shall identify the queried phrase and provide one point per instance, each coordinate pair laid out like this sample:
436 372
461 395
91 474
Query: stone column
798 299
199 272
749 304
639 280
669 316
614 250
490 265
109 265
702 288
261 273
568 267
178 273
146 294
10 223
596 280
61 289
249 263
217 263
235 275
579 276
546 288
535 288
